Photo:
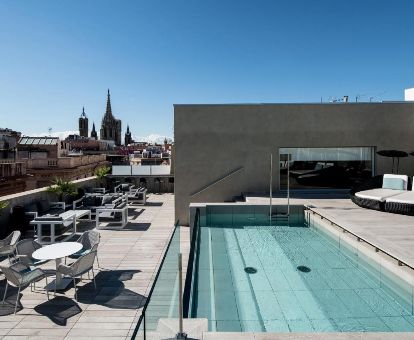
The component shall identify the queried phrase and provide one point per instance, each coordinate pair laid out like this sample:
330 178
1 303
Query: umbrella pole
398 165
392 165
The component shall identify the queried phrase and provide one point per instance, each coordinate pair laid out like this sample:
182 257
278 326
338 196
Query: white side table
56 252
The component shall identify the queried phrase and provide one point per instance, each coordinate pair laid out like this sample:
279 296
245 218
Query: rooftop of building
39 141
323 103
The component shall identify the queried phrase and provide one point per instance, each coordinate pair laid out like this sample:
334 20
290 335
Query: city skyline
63 56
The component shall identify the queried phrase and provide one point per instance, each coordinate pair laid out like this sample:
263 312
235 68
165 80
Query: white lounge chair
402 203
391 185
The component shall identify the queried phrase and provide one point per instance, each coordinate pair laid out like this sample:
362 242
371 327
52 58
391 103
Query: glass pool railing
162 301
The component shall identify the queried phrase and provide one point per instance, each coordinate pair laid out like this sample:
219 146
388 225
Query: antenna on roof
358 97
50 131
378 96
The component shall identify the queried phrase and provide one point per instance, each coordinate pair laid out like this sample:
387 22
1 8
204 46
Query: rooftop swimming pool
290 278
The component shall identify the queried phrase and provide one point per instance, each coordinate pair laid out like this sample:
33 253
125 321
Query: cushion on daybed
107 199
125 187
378 194
406 197
31 207
48 219
43 206
89 201
396 182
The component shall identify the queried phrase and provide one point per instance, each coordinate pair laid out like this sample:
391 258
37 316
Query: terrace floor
128 259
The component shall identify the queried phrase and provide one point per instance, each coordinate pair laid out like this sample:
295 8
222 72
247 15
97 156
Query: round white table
56 252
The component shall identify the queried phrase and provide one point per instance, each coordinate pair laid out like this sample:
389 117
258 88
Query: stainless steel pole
181 334
288 184
270 188
180 294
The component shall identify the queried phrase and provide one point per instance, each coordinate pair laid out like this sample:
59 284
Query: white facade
409 94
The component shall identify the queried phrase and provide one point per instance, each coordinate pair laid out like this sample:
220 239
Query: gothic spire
93 132
108 112
83 115
128 129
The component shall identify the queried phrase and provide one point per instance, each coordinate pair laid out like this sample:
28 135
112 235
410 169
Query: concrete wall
213 140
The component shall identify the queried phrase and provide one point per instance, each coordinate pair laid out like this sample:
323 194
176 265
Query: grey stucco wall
212 140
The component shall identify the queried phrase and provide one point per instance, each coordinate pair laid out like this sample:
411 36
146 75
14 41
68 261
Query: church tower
110 127
83 124
128 136
94 135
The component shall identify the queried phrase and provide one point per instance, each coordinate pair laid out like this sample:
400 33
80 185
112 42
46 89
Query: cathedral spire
93 132
111 128
108 112
83 112
128 136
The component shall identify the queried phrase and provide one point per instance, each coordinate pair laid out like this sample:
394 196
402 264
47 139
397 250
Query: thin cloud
60 134
151 138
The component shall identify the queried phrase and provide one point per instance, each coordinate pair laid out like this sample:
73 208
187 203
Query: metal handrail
359 238
142 317
218 181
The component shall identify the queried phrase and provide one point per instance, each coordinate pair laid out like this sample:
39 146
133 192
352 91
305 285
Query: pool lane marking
258 232
212 286
252 291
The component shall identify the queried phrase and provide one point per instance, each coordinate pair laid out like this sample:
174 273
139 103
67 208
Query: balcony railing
141 170
64 162
162 301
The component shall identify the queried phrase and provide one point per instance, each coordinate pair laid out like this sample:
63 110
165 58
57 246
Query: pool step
280 218
280 215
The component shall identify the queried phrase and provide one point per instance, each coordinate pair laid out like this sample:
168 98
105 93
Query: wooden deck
128 258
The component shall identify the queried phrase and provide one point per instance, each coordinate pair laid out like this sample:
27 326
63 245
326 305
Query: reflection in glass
325 168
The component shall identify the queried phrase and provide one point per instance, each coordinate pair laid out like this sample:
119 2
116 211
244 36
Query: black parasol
393 154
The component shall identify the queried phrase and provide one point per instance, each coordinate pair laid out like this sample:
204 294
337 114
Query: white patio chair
81 266
21 276
24 250
8 245
117 216
90 242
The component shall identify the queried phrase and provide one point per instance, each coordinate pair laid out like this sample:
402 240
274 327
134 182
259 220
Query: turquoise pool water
331 292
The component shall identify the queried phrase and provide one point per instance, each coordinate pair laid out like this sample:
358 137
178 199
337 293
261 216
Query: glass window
325 168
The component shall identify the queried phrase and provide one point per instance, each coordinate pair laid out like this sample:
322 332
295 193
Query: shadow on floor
131 226
8 307
133 213
339 208
59 309
110 291
154 204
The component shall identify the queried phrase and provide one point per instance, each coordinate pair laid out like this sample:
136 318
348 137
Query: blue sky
57 56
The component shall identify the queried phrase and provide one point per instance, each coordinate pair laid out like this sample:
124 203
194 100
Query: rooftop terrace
128 260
